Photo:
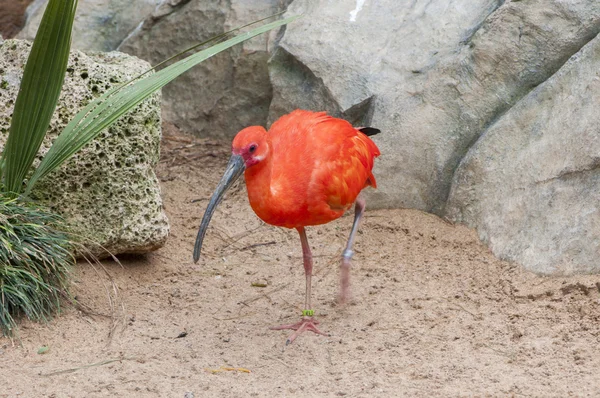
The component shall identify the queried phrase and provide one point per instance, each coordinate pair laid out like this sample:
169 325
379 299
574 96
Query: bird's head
251 145
249 148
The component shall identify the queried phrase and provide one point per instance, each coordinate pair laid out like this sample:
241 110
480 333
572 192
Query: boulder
531 183
108 192
227 92
431 75
218 98
100 25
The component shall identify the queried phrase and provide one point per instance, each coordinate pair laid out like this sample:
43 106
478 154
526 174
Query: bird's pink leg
308 323
359 209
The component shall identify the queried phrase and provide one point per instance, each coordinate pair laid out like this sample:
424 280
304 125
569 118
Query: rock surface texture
531 184
434 76
217 98
12 17
108 192
227 92
100 25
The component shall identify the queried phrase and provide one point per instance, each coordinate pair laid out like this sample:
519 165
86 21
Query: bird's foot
308 323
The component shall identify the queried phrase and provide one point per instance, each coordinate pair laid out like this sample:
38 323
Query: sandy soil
433 313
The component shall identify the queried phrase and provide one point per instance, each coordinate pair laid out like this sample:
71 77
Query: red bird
308 169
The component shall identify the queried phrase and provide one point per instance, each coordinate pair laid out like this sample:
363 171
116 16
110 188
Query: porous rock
108 192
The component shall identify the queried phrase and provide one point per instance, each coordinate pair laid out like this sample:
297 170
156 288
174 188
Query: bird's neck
258 184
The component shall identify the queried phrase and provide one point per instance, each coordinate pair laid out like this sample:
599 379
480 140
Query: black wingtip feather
369 131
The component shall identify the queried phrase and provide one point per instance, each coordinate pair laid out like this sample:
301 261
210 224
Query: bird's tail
369 131
372 150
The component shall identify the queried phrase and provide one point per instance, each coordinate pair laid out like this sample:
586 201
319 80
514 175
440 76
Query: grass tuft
35 262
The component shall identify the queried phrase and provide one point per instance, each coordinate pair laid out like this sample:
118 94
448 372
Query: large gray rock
108 191
100 25
225 93
531 184
219 97
432 75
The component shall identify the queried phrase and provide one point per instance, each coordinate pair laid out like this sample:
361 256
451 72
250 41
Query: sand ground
433 313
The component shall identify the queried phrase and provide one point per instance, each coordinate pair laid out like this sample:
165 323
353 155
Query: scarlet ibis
308 169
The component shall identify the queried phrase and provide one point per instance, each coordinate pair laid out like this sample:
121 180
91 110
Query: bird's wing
320 164
344 168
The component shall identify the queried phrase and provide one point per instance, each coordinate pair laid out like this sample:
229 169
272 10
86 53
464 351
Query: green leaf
39 91
105 110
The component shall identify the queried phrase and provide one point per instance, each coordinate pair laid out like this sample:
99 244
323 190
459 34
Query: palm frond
39 91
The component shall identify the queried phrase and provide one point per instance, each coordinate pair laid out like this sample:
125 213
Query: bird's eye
252 148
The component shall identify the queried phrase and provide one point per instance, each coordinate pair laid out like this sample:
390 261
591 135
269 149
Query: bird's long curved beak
234 170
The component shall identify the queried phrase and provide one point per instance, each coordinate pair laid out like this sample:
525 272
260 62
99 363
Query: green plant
35 249
40 87
35 261
38 95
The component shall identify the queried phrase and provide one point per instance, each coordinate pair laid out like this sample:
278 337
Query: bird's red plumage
310 168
